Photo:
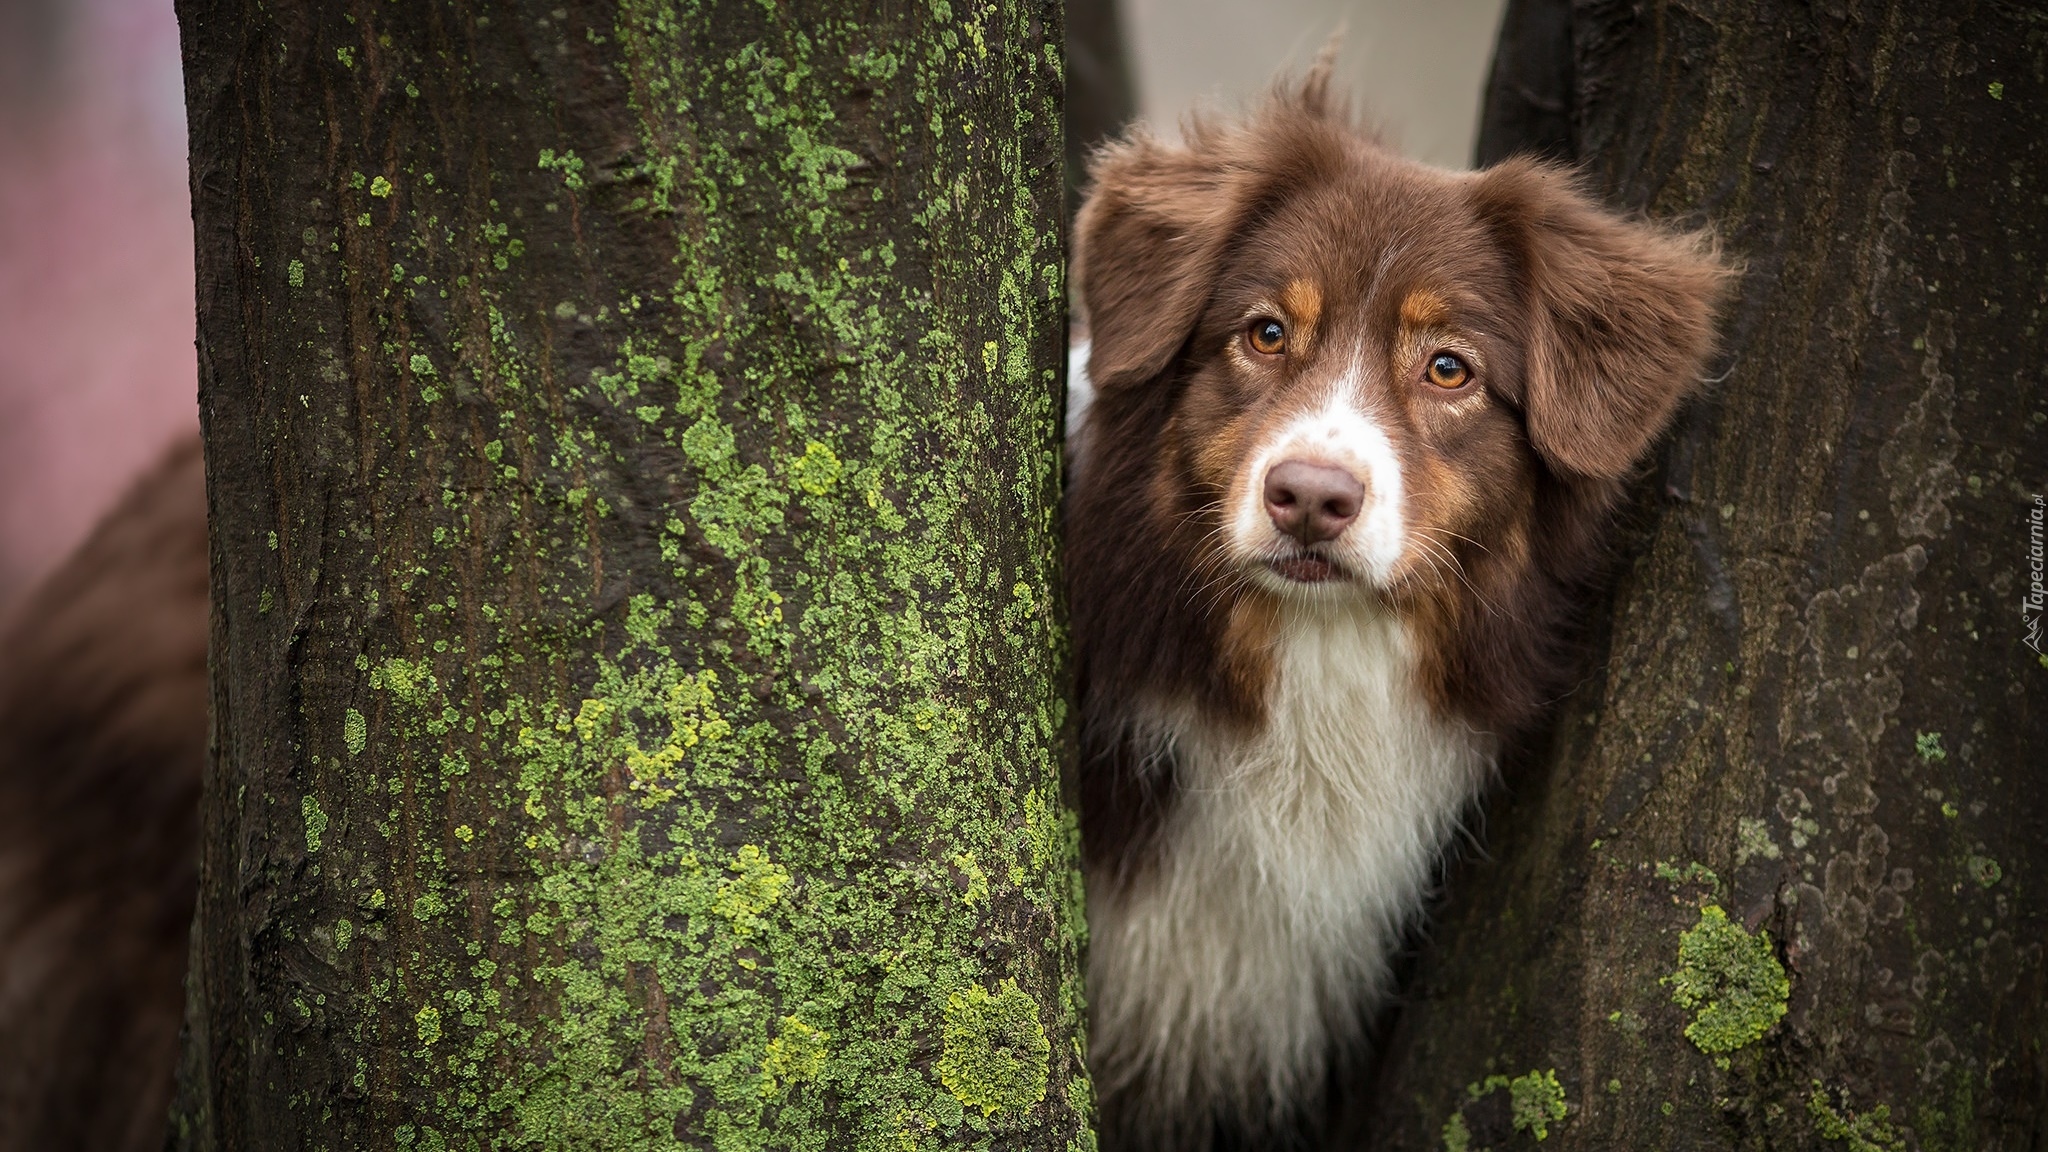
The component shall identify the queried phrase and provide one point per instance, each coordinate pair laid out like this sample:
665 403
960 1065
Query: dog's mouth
1306 568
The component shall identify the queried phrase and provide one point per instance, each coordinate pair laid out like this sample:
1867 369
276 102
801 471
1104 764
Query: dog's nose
1312 502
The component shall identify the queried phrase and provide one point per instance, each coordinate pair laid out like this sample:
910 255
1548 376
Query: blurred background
97 370
1416 68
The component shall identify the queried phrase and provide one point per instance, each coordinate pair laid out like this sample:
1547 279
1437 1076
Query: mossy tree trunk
637 661
1779 879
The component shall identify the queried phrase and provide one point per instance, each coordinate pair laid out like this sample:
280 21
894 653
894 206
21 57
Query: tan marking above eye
1303 302
1268 337
1448 371
1423 308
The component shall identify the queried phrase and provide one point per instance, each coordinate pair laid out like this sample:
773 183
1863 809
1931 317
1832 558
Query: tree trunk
1778 879
1100 99
637 662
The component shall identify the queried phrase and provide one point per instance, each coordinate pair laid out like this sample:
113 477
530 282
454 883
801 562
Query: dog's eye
1447 371
1268 337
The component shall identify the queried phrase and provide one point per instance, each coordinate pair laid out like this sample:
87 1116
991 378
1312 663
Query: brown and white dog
1343 443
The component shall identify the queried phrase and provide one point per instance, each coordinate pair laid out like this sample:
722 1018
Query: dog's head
1357 369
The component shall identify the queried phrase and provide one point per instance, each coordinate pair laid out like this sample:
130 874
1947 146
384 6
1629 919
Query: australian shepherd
1344 437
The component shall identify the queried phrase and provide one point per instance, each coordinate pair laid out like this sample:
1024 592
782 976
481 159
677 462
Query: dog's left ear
1621 317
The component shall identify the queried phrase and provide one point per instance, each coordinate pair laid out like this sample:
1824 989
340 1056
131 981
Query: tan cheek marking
1303 302
1456 499
1514 547
1219 456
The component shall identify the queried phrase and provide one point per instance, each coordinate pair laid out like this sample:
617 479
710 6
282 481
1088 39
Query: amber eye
1268 337
1447 371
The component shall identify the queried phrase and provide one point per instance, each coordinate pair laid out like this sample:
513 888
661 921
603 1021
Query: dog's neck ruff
1258 938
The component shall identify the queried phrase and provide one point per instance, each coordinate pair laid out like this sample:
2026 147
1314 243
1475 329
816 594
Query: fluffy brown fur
102 736
1585 331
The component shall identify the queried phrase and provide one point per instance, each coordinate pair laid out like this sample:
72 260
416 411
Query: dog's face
1352 371
1337 403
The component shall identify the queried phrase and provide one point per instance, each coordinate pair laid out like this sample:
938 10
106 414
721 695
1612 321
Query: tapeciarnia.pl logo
2037 596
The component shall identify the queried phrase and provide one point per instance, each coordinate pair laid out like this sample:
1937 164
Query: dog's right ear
1146 244
1153 232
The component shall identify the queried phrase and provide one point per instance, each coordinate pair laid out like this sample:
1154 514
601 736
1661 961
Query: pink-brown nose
1312 502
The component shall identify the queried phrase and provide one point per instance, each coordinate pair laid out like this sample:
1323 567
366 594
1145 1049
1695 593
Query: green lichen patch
753 888
1693 873
1536 1102
996 1052
1928 745
316 821
410 680
794 1056
1457 1135
427 1024
816 470
571 168
1869 1131
1984 870
1731 980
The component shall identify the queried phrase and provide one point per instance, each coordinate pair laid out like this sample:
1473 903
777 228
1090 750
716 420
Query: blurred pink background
97 370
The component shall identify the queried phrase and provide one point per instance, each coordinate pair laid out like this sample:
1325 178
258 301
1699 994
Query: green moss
1536 1102
1730 979
1865 1132
1984 870
316 821
427 1023
355 732
412 681
756 884
996 1052
567 164
794 1056
1928 744
1693 873
817 470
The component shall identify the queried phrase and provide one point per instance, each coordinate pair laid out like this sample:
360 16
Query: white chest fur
1290 861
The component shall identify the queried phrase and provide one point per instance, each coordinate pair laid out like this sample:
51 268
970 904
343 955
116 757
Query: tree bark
1100 96
1777 879
638 668
1528 102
